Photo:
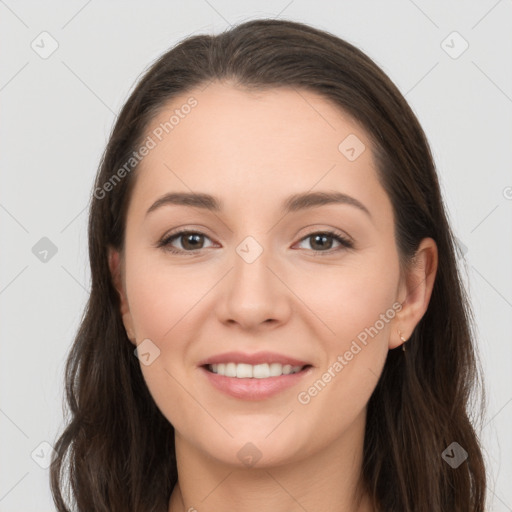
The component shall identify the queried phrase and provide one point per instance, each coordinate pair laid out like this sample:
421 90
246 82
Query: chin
254 448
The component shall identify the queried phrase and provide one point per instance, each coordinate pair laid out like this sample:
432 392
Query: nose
254 293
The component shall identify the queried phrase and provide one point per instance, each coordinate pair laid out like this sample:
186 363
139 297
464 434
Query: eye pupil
191 236
323 237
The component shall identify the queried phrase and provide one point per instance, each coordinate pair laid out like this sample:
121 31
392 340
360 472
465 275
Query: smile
257 371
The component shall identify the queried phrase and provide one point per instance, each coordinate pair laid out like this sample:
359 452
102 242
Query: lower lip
254 389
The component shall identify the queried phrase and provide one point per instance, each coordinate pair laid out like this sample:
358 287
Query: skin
253 150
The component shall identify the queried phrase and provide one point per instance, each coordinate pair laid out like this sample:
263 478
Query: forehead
248 144
249 118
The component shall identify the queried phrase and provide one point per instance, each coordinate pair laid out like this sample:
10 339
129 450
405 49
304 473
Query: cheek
161 304
355 356
360 316
161 298
350 298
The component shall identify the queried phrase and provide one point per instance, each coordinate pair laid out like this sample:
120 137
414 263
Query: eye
191 241
321 239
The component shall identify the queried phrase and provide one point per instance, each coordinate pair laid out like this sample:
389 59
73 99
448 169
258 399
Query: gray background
56 116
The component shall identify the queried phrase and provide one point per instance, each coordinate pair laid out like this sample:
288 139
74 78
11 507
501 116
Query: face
313 285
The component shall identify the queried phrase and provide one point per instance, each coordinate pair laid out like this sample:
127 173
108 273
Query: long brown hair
117 450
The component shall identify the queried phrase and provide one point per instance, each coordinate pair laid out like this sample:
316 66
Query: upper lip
253 359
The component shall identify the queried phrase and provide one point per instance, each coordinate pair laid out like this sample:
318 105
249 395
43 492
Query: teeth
243 371
258 371
230 370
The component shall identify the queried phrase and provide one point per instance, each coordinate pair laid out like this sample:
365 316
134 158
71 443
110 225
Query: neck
329 479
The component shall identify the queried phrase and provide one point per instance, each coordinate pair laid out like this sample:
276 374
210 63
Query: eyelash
165 242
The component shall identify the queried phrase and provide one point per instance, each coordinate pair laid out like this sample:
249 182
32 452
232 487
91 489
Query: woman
276 320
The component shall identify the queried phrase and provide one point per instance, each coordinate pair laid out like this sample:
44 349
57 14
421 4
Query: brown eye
189 241
192 241
323 241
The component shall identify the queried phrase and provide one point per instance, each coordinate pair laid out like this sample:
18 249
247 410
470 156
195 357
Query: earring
403 339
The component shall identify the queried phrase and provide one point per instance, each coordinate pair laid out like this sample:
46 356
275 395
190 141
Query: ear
115 264
415 291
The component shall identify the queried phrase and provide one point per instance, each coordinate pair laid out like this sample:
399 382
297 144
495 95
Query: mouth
256 371
253 377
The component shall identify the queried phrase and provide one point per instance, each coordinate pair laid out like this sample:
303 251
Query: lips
254 387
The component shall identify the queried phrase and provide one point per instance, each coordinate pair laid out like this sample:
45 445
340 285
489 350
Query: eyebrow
294 203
